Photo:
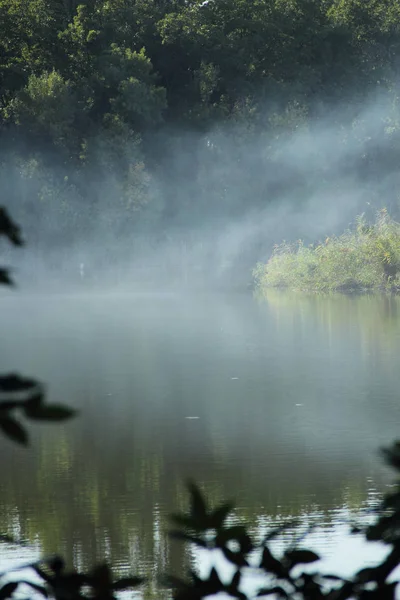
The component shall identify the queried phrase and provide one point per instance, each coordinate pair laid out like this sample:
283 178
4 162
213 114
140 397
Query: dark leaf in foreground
279 530
236 558
271 565
8 405
236 579
185 537
13 383
9 228
392 455
101 581
219 515
56 564
236 533
49 412
39 588
184 521
296 557
5 277
34 402
42 573
277 591
8 589
198 504
14 430
383 592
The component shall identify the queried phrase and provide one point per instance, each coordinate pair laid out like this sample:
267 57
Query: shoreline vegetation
365 258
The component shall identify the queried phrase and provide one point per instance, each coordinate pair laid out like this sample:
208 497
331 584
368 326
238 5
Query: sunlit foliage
366 258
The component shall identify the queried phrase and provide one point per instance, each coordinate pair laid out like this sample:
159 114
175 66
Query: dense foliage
151 117
367 258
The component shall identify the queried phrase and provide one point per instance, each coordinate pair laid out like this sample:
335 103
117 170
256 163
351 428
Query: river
279 403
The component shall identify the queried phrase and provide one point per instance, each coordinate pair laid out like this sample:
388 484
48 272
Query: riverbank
366 258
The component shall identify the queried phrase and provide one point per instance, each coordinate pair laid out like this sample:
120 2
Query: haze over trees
152 119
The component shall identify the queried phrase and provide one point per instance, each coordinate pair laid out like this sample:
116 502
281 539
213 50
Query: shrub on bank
362 259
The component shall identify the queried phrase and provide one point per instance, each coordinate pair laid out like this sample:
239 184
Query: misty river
280 404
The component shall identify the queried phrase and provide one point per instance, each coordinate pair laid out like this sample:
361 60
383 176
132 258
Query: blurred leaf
236 558
366 575
42 573
14 430
356 530
183 520
236 533
101 577
236 579
271 565
39 588
198 504
219 515
8 589
392 455
14 383
9 228
49 412
5 277
8 405
127 582
34 402
278 530
296 557
383 592
332 577
56 564
277 590
185 537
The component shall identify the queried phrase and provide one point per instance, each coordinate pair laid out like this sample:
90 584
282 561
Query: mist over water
217 203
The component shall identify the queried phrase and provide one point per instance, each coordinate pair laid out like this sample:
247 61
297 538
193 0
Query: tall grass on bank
366 258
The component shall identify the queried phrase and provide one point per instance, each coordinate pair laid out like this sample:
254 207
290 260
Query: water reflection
292 397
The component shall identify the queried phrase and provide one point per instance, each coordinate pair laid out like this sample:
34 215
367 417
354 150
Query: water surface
279 403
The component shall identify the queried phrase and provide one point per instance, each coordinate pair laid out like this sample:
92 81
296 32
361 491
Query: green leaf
50 412
14 430
296 557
